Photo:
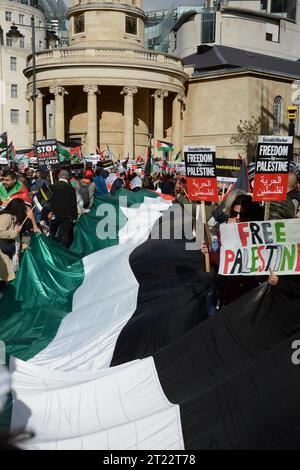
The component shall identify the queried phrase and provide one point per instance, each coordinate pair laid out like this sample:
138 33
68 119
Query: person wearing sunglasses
227 289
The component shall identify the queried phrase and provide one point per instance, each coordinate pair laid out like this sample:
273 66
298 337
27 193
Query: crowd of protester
73 194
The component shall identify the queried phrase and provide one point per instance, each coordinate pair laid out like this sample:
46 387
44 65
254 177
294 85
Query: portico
110 96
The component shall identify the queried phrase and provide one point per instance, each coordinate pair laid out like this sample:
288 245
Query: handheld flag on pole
42 197
178 156
10 152
148 165
3 140
164 146
242 182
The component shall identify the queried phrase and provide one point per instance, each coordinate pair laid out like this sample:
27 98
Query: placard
200 165
274 154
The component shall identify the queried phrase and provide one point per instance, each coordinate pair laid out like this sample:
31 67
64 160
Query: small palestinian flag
10 152
3 140
178 156
3 157
42 197
69 153
164 146
148 165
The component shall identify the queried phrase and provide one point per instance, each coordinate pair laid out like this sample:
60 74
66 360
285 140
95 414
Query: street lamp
52 39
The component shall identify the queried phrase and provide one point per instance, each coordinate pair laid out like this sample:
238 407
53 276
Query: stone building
14 108
108 89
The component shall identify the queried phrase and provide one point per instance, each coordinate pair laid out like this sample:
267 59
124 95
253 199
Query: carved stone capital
181 98
91 89
39 94
58 90
160 94
29 95
129 90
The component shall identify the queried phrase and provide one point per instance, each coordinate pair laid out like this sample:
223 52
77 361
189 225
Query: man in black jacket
63 207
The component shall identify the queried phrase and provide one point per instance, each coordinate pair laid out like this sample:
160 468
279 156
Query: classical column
178 104
159 96
129 93
39 116
92 91
59 92
30 109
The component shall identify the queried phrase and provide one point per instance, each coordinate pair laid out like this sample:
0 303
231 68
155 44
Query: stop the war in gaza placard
200 164
274 154
253 248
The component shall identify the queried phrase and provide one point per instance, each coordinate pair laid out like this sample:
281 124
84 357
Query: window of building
14 91
14 116
277 114
13 64
21 19
8 41
269 37
78 24
27 117
8 15
22 43
285 8
131 25
50 121
263 5
208 27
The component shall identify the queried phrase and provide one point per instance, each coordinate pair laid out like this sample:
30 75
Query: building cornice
106 6
247 12
215 74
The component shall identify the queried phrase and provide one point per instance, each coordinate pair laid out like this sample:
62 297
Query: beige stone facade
110 91
215 105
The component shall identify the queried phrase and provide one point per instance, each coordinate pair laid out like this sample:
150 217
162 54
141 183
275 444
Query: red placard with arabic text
270 187
201 189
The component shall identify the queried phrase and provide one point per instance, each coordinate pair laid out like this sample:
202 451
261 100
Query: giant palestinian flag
110 348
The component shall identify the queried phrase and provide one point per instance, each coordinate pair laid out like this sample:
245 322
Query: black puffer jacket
63 203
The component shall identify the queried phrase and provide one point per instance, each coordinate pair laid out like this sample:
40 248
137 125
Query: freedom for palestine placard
201 176
274 154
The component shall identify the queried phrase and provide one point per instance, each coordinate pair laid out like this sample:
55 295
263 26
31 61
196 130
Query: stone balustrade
56 56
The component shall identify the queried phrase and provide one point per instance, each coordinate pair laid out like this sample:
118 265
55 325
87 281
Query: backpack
84 193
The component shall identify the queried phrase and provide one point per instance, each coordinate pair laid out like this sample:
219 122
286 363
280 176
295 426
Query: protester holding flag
11 188
227 289
39 182
63 206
